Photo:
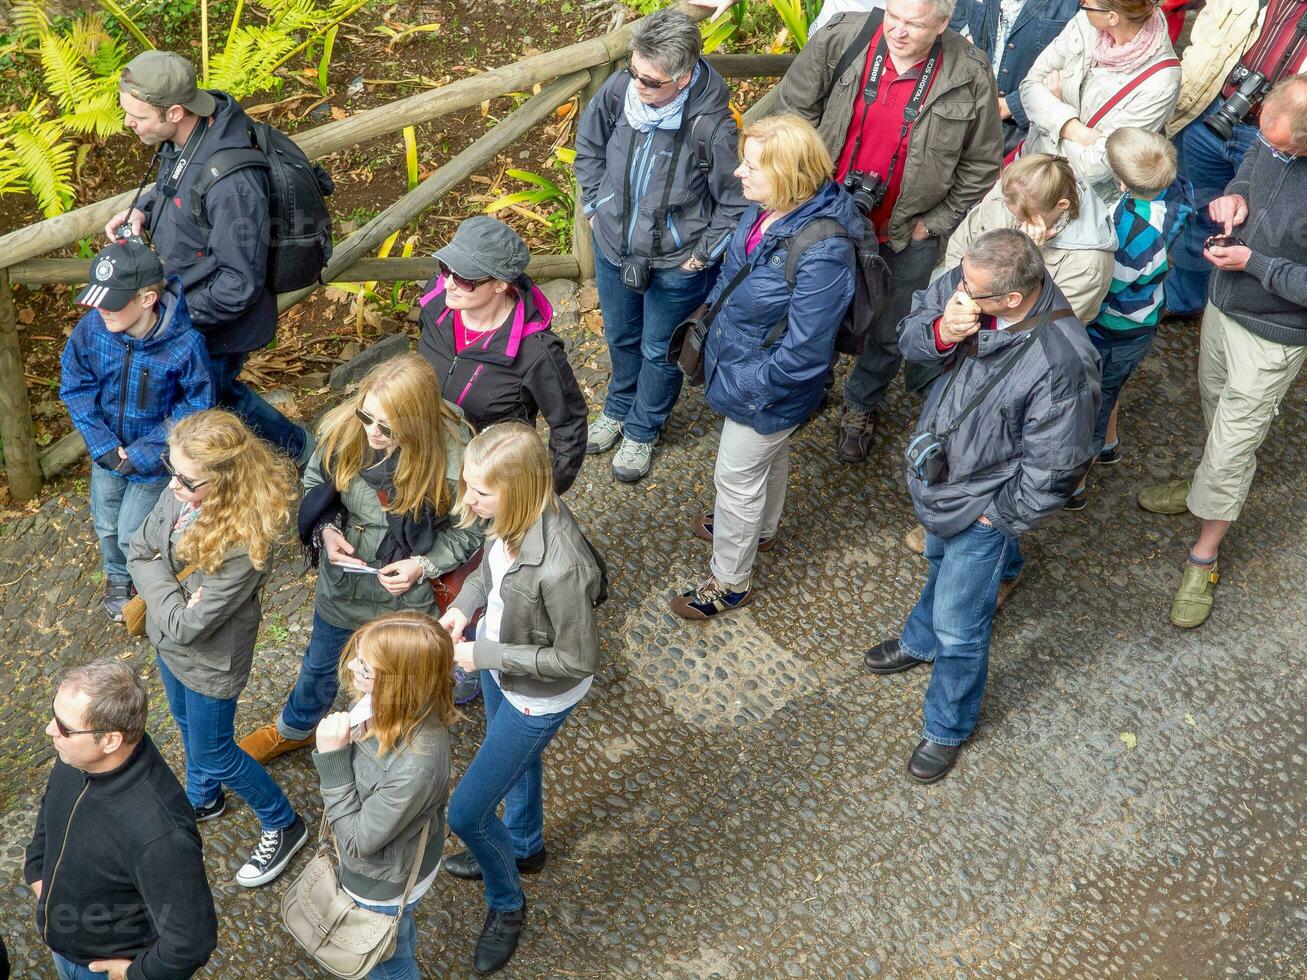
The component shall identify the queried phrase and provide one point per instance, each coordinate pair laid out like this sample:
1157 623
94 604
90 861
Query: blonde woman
229 503
537 647
376 518
769 350
384 770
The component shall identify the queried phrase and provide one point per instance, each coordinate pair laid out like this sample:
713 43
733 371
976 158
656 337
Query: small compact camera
927 457
867 190
1223 241
635 273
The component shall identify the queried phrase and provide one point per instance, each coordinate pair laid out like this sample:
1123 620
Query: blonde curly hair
250 490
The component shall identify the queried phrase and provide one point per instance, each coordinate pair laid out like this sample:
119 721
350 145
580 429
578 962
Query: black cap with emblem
117 272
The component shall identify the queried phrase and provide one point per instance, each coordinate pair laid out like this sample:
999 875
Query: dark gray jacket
210 647
548 638
1269 297
377 806
706 200
1018 457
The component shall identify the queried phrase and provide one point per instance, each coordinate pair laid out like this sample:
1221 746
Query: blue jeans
1210 163
643 387
319 679
266 422
506 767
118 507
1119 359
68 970
213 759
403 963
949 626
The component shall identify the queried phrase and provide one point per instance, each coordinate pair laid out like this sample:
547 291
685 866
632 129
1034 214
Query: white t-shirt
832 7
499 565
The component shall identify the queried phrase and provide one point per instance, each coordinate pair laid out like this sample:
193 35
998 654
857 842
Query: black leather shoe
889 658
930 761
498 940
464 865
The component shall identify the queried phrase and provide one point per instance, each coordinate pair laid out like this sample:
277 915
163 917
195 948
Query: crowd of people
1044 183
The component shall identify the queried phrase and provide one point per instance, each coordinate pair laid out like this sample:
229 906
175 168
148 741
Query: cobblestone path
730 799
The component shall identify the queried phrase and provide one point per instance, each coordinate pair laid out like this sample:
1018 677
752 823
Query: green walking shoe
1193 600
1166 498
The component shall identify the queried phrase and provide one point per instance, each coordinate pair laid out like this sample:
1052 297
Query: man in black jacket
115 859
222 260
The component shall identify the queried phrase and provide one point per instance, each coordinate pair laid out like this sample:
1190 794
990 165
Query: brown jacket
956 146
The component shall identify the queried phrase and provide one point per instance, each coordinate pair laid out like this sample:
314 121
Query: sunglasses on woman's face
654 83
368 421
461 282
185 481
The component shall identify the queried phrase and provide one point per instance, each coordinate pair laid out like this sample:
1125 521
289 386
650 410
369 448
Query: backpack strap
1129 87
816 230
225 161
861 41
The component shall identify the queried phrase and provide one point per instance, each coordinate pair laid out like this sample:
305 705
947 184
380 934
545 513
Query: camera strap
145 179
167 185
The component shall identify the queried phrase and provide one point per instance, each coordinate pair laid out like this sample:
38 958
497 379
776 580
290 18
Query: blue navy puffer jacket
776 388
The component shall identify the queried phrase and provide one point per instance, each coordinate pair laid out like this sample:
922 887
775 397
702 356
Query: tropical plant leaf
37 146
544 183
30 21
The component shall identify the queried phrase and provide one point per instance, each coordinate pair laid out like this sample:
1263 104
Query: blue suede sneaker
710 598
467 686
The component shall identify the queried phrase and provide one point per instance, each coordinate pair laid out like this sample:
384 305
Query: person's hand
1229 258
920 232
339 551
195 598
399 576
1228 211
454 623
1003 111
115 969
333 732
37 887
1036 230
985 520
961 318
1053 82
693 265
135 217
718 7
1078 132
463 655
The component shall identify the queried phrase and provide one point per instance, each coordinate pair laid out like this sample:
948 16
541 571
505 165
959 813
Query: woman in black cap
485 330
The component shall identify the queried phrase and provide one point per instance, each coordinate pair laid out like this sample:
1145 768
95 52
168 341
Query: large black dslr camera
867 190
1250 88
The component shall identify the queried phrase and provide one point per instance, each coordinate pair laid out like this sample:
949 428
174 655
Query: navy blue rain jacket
776 388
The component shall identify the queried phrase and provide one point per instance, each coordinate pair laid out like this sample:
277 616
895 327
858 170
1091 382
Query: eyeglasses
361 665
368 420
185 481
66 732
654 83
461 282
966 288
1276 152
1095 10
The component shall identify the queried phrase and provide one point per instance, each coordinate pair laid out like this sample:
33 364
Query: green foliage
35 157
544 194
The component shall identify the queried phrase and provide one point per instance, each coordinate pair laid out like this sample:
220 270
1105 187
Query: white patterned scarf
644 118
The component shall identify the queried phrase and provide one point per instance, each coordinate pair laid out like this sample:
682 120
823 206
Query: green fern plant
36 157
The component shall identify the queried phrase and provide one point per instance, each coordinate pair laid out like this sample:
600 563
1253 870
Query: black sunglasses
367 420
185 481
654 83
67 732
460 281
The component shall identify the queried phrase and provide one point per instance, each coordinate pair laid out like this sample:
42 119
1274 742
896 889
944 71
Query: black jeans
879 361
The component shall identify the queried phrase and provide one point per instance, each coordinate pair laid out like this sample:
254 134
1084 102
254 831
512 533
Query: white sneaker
602 434
273 853
633 460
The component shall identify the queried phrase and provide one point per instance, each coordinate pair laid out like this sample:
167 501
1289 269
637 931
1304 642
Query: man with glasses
115 860
1005 435
909 110
1254 336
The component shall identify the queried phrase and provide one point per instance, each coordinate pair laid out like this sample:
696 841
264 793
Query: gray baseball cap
484 247
164 78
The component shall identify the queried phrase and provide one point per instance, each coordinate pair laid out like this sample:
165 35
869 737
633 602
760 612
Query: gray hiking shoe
602 434
633 460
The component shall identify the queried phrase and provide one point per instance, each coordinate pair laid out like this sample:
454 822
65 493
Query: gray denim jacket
208 647
377 805
548 637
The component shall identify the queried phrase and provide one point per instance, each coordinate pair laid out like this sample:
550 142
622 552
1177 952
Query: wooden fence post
15 412
582 246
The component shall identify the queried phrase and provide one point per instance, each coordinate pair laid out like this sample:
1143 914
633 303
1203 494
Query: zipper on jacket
468 387
144 392
637 192
122 389
48 887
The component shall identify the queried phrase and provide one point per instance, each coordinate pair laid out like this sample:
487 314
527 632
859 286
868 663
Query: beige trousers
1241 379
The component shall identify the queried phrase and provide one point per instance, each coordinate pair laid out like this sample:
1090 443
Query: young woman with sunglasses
229 504
537 648
384 770
485 330
376 519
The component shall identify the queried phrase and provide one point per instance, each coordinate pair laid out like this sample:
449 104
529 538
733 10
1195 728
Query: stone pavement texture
730 800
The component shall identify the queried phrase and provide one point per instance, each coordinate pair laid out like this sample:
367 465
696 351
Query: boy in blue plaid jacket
132 366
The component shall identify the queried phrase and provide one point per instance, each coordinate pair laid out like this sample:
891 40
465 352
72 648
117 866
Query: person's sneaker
915 540
498 940
215 808
710 598
602 435
270 857
1166 498
701 527
266 743
1005 589
1111 455
633 460
855 435
464 865
467 685
1079 500
117 593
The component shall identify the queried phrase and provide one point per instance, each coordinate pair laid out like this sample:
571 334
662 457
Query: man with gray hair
1006 433
115 860
655 158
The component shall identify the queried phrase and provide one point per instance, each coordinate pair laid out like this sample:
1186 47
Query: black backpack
297 190
871 279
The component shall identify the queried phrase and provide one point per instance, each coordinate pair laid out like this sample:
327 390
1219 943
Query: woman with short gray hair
655 158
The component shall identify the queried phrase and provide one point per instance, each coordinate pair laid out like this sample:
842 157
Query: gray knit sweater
1269 297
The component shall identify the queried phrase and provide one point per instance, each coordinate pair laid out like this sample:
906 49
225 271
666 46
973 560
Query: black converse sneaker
215 808
276 848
